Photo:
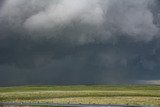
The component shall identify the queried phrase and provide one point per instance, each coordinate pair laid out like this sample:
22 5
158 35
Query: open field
84 94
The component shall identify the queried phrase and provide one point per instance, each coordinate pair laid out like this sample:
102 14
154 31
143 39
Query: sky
62 42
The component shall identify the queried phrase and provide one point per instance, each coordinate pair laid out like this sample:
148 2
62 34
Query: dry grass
131 95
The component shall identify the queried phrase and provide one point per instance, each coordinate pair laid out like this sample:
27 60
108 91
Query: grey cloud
133 18
105 17
78 42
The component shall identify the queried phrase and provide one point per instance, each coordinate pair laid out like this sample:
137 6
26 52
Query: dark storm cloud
1 2
78 42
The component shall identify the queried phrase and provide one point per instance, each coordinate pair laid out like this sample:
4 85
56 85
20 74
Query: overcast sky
79 41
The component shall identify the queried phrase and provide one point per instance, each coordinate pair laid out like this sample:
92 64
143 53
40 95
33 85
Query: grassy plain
84 94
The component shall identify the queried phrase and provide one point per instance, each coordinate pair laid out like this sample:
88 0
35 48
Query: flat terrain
83 94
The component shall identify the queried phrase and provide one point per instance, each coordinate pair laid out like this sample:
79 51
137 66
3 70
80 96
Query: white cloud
151 82
90 20
65 12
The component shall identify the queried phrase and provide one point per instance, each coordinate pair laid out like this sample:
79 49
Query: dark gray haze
79 41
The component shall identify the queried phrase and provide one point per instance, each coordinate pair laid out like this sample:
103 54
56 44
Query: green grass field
84 94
